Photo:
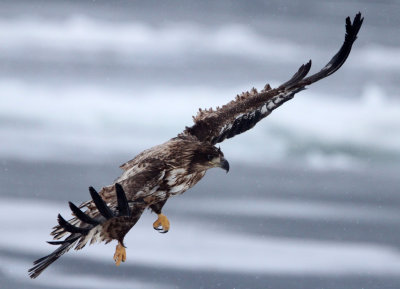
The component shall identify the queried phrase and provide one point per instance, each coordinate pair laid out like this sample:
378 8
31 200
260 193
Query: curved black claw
161 230
161 224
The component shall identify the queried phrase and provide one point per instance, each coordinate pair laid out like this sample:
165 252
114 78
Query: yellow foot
161 224
120 254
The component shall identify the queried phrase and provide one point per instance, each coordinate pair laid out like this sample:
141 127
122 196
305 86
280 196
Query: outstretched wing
111 223
249 108
109 215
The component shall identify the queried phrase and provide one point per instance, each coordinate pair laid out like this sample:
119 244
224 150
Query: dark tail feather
43 263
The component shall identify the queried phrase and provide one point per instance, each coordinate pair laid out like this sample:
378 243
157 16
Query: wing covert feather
249 108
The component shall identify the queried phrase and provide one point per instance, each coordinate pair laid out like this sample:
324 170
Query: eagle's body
148 181
171 176
177 165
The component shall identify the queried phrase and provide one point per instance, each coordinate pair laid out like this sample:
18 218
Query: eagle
171 168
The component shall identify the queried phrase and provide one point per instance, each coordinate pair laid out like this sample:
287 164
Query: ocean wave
216 250
85 35
62 119
84 123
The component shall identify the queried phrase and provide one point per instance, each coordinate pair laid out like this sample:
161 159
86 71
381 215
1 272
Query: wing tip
67 226
100 204
123 206
352 28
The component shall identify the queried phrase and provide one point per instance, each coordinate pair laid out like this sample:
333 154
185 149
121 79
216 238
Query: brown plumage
175 166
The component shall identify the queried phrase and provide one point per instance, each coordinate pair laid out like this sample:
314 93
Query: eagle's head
207 157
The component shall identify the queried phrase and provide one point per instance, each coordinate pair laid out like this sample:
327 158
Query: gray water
312 198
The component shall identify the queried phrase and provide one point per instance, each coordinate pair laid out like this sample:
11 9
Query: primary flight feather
177 165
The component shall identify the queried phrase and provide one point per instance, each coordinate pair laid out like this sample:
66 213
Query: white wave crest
82 34
82 123
86 35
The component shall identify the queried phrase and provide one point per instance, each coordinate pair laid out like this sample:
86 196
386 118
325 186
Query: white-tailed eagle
177 165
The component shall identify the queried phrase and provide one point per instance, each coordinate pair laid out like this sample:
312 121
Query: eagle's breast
178 180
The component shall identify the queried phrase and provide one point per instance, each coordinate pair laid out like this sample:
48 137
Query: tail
44 262
84 228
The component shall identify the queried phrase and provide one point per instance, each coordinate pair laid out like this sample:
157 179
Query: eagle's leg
162 222
120 253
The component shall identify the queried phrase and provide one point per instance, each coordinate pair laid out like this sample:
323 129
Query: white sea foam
16 270
85 123
86 35
295 210
205 249
68 121
82 34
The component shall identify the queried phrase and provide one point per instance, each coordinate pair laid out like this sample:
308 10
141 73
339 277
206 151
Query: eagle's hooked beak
224 164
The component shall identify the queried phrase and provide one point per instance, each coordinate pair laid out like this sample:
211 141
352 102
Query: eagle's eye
210 157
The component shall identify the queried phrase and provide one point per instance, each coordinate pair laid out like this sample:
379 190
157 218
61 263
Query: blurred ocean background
313 196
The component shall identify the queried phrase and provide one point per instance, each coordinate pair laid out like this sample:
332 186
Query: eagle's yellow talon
161 224
120 254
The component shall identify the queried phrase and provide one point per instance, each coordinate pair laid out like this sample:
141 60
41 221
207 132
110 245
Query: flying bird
175 166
